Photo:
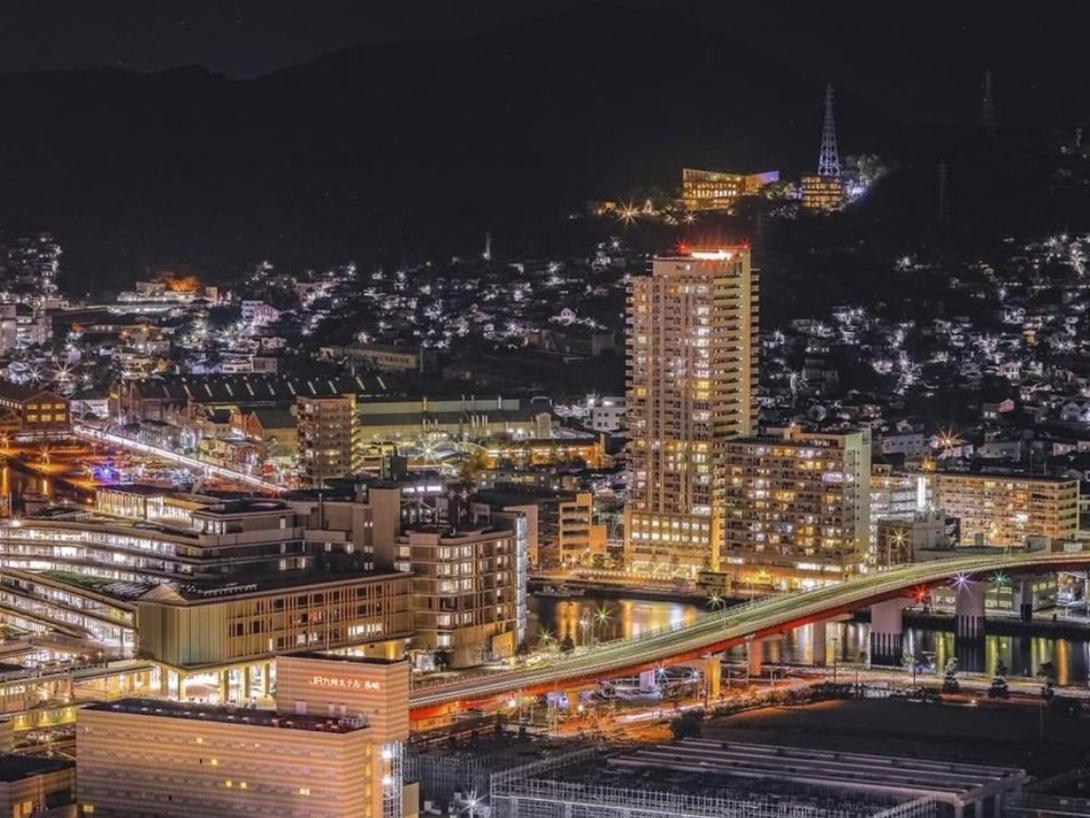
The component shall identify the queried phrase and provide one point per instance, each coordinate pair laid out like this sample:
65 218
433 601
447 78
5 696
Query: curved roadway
176 457
717 631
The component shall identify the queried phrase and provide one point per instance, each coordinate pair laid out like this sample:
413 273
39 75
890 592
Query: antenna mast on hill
829 161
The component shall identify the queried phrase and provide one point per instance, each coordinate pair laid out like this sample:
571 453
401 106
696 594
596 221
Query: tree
1001 668
1047 672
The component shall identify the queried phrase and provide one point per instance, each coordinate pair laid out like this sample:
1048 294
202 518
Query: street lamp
601 615
836 655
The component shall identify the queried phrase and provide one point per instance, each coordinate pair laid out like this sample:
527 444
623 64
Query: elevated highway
248 480
720 630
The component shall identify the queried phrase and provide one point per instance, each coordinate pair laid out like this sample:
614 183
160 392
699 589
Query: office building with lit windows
1007 510
798 508
822 193
719 190
692 378
212 601
332 748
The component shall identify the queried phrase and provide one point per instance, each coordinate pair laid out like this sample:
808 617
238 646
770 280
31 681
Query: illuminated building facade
466 600
579 537
718 190
212 602
692 377
822 193
464 418
896 495
526 452
332 748
1005 510
29 411
901 541
798 508
328 445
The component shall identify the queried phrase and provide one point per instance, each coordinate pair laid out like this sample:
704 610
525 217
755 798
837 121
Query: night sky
911 58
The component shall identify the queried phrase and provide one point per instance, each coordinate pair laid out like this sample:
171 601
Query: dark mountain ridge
387 152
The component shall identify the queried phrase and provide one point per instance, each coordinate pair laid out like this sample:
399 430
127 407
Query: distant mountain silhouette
393 151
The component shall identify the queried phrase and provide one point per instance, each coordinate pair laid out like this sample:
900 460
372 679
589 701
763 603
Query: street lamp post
836 652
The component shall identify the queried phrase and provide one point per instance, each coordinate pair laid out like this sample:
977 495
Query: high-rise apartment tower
692 379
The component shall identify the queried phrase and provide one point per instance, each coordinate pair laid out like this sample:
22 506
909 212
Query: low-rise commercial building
31 412
900 540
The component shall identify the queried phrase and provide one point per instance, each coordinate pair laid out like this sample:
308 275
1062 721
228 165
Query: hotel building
332 748
1006 510
692 378
798 508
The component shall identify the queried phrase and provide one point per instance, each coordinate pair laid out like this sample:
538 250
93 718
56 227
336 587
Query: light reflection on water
591 619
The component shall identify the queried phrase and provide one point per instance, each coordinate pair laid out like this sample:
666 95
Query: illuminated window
304 790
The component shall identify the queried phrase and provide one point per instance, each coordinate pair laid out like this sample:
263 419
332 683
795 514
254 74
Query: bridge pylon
969 608
887 630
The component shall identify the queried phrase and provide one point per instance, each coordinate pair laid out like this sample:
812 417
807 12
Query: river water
586 619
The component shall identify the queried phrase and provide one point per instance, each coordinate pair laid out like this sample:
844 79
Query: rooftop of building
274 417
522 413
164 708
450 532
767 778
17 767
797 437
244 505
355 660
764 764
255 388
23 392
197 591
83 519
1005 475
